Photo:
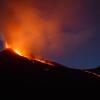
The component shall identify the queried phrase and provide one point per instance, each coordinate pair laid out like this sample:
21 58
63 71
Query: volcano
18 71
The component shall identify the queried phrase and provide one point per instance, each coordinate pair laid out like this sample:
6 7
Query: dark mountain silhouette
19 72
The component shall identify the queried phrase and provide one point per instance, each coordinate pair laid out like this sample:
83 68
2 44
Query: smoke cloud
44 27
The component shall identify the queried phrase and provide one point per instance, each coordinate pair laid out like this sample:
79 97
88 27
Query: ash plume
44 27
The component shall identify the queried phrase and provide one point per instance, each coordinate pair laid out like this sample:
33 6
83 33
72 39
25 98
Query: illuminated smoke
36 26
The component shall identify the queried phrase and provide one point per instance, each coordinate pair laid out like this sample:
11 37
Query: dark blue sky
79 22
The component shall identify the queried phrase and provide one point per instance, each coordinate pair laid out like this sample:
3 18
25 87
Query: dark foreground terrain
19 72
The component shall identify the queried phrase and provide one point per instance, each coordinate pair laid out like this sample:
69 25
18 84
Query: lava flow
42 60
19 52
32 57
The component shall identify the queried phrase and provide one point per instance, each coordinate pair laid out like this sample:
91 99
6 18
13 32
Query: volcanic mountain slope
95 70
18 71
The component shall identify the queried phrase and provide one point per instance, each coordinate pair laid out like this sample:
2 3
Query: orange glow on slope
18 52
42 60
37 58
21 52
32 57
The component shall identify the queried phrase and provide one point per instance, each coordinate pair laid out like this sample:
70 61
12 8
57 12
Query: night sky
76 24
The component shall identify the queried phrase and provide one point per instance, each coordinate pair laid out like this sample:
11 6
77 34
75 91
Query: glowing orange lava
32 57
16 50
42 60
